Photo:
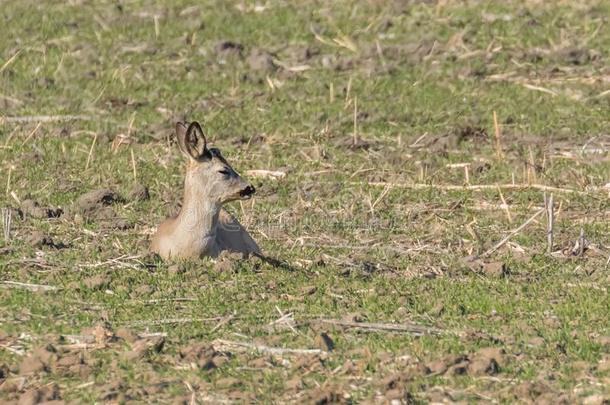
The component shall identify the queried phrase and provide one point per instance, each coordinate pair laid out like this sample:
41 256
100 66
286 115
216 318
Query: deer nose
248 191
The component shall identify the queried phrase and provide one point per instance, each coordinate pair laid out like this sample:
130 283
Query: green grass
431 73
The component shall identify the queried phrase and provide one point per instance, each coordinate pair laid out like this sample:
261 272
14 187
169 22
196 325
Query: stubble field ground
398 184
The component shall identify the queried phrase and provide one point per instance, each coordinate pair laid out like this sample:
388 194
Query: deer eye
224 171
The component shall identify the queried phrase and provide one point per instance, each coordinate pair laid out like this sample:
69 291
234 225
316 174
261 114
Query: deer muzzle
247 192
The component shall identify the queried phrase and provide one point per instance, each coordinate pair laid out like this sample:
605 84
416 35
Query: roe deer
203 227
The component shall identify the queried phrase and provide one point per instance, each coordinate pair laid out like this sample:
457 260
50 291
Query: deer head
208 176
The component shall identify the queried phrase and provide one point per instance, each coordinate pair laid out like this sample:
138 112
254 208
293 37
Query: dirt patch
202 356
226 261
229 49
227 382
144 347
439 395
488 268
118 223
308 364
138 192
96 206
538 392
97 282
100 334
126 334
141 291
450 365
39 239
495 269
261 362
572 55
35 210
352 143
40 360
241 396
43 394
471 134
324 342
260 60
119 392
299 54
89 203
486 361
413 52
176 269
294 384
327 395
113 391
72 364
11 386
395 387
604 365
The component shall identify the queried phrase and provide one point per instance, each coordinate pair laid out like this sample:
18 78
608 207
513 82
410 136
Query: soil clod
44 394
203 355
39 239
324 342
139 192
261 61
35 210
96 198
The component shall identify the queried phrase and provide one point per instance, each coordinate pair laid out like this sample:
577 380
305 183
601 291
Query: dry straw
498 136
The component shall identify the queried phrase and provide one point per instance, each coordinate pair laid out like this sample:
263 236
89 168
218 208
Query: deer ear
191 140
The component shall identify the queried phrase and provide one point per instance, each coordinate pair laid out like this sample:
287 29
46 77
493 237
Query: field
418 143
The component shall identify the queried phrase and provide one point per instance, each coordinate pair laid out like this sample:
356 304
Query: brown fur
203 227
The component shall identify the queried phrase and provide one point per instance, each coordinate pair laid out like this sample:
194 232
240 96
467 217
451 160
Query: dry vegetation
436 175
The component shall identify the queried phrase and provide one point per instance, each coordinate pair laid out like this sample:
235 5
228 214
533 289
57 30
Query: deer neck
199 214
